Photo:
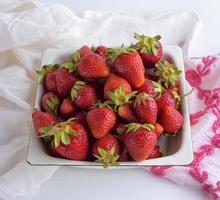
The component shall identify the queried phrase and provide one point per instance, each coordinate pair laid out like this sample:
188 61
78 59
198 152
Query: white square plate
177 150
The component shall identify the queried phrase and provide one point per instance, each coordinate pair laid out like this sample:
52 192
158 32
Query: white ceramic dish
177 150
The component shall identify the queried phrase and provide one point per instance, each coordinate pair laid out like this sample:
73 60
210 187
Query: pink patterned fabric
203 74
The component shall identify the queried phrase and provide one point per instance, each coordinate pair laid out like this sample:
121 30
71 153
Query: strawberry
128 64
119 129
48 76
83 95
140 140
150 49
92 66
171 120
65 82
81 119
85 50
42 119
124 155
101 50
166 99
127 113
153 89
146 108
106 150
50 102
67 108
167 73
156 153
101 120
158 129
113 82
70 139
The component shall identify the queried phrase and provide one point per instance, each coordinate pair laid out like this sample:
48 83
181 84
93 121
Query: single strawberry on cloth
204 103
28 27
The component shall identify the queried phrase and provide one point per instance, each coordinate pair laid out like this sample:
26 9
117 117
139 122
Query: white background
82 184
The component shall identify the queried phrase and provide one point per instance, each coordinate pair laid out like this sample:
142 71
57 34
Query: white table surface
82 184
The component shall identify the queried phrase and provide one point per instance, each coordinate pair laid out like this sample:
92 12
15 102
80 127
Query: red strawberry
48 76
65 82
167 73
146 108
42 119
67 108
119 129
50 102
166 99
140 140
106 150
130 66
156 153
50 82
101 50
92 66
101 120
70 139
152 88
81 118
113 82
124 156
83 95
171 120
85 50
150 49
127 113
158 129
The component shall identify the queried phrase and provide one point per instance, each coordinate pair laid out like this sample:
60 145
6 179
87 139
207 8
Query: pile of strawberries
109 105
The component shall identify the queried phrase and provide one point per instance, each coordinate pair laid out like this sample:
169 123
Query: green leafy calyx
120 97
77 86
46 69
107 158
147 44
59 133
158 89
132 127
167 73
53 104
70 66
142 98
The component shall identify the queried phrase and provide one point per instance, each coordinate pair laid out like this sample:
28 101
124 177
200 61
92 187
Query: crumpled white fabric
26 28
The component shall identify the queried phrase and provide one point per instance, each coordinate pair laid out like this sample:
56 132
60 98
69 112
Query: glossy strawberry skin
42 119
67 109
113 82
92 66
49 96
166 99
147 113
150 60
171 119
130 67
140 143
50 84
148 88
78 147
158 129
100 121
65 82
156 153
85 50
86 97
106 143
81 119
127 113
101 50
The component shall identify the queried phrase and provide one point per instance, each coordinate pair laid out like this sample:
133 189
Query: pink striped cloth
203 74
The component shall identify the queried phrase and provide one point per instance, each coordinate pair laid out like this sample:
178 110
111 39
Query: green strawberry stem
70 66
158 89
147 44
107 158
59 133
53 104
46 69
141 99
77 86
132 127
167 73
120 97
